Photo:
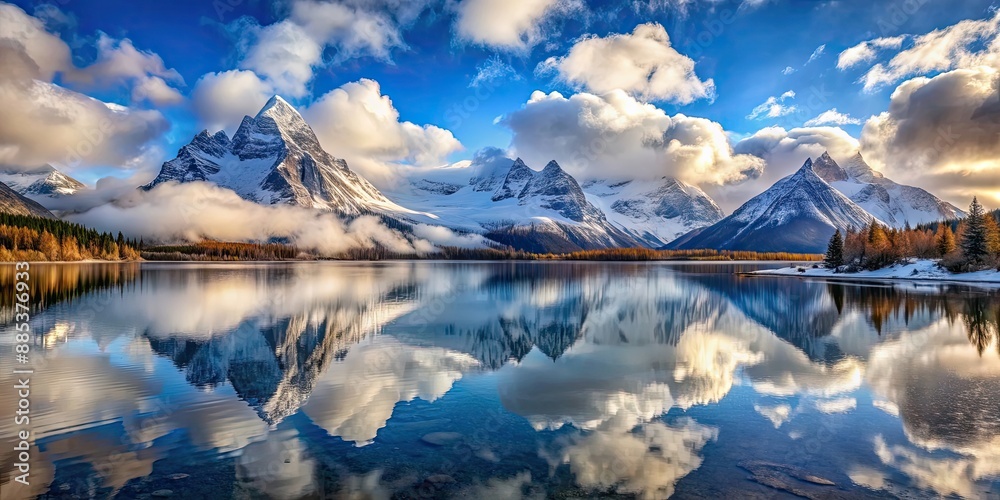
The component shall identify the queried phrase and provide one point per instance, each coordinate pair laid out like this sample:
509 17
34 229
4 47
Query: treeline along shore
36 239
961 245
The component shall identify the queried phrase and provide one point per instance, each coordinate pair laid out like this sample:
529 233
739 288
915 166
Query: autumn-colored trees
970 244
26 238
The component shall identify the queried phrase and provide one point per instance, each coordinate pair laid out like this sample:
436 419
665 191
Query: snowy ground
915 269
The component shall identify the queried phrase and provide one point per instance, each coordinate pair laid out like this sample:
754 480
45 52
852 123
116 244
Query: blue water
501 380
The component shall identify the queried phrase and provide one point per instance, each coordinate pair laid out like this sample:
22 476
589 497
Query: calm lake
500 380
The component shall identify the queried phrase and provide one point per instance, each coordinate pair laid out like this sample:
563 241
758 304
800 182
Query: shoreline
683 261
914 271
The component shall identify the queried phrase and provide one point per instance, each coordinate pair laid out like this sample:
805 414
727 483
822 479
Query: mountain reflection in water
425 379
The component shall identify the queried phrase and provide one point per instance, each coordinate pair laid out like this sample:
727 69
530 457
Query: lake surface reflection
501 380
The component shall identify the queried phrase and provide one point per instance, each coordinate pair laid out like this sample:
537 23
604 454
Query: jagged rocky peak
274 158
514 182
894 204
797 214
859 169
556 190
828 169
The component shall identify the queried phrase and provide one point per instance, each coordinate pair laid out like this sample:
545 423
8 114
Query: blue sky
742 46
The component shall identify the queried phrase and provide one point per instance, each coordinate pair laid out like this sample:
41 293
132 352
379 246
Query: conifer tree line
29 238
963 245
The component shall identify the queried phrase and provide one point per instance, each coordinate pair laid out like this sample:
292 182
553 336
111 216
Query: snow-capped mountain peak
514 182
40 181
797 214
859 169
654 211
829 170
894 204
275 158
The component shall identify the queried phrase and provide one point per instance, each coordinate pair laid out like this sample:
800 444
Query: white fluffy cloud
642 63
357 122
283 54
47 52
46 123
866 51
515 25
615 136
784 151
119 62
832 117
773 107
941 132
195 211
286 53
965 44
223 99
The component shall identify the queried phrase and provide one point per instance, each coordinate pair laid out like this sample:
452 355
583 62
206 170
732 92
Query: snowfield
915 269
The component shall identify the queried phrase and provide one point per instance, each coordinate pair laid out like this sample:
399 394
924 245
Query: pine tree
974 238
835 251
992 235
944 240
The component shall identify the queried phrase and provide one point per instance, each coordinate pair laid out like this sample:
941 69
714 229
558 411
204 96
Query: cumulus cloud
784 151
174 212
119 62
356 121
966 44
941 132
47 52
866 51
642 63
515 25
46 123
223 99
832 117
788 70
616 136
286 53
773 107
156 91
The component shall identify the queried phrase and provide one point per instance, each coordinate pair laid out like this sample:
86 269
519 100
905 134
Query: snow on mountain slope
275 158
512 204
894 204
798 213
42 181
11 202
656 212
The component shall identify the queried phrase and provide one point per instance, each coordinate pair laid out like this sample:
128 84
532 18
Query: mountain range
275 157
800 213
